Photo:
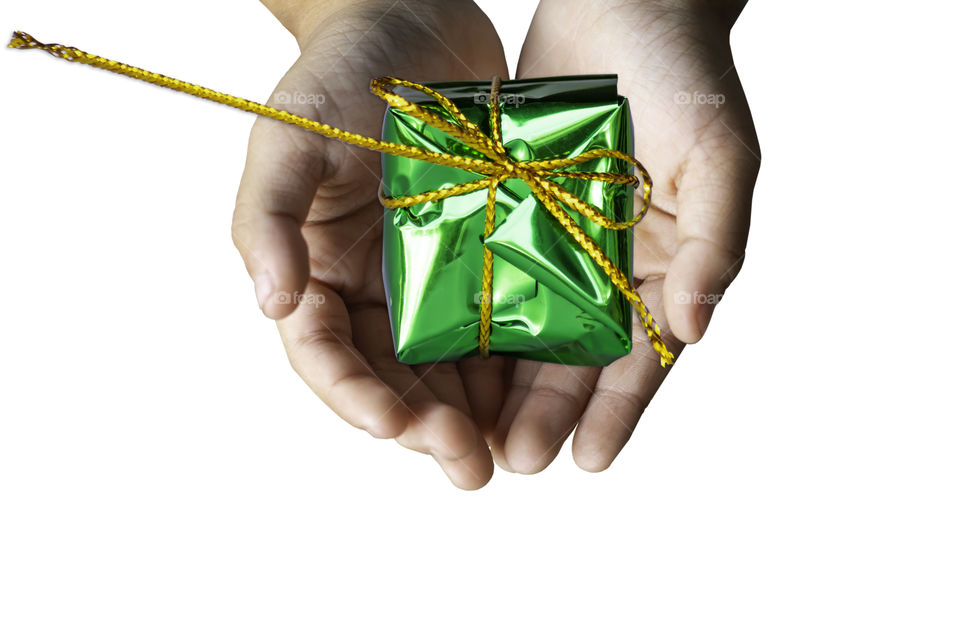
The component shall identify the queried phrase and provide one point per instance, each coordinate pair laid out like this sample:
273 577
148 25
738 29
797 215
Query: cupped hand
308 223
694 134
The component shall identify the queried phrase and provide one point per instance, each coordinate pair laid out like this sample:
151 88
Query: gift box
550 301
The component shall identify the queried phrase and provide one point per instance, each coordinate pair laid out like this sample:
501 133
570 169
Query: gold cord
497 167
486 299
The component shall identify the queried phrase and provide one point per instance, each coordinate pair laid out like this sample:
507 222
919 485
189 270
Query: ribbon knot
496 167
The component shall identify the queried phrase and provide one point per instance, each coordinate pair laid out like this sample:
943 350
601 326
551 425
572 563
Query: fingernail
263 285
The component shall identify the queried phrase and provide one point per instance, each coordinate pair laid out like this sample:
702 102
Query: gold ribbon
497 167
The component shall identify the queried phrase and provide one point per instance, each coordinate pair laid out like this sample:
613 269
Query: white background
165 474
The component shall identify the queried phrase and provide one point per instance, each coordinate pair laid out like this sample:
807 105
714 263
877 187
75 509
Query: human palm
694 134
309 225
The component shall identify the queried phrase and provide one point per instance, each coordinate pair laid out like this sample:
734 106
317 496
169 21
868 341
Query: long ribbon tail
22 40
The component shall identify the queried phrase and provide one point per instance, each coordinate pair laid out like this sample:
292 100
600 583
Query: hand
309 225
694 134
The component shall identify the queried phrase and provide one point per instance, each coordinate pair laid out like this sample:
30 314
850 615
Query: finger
713 216
520 379
319 341
444 382
283 170
483 382
549 412
439 429
473 470
434 427
622 393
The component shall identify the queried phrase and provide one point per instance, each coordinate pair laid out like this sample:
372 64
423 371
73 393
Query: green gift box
550 300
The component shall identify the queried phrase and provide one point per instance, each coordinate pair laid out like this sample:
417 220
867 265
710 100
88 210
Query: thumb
713 215
279 183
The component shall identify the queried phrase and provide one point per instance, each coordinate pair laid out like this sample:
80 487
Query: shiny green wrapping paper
551 302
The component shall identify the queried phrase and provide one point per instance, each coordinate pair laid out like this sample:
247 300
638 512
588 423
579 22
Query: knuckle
613 397
240 231
554 394
314 341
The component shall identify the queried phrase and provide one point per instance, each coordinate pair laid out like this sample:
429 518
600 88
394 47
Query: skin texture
309 226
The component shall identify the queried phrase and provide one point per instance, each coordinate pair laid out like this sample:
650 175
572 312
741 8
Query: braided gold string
486 288
497 167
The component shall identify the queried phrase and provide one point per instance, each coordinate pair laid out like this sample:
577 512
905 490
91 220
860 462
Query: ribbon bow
497 167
